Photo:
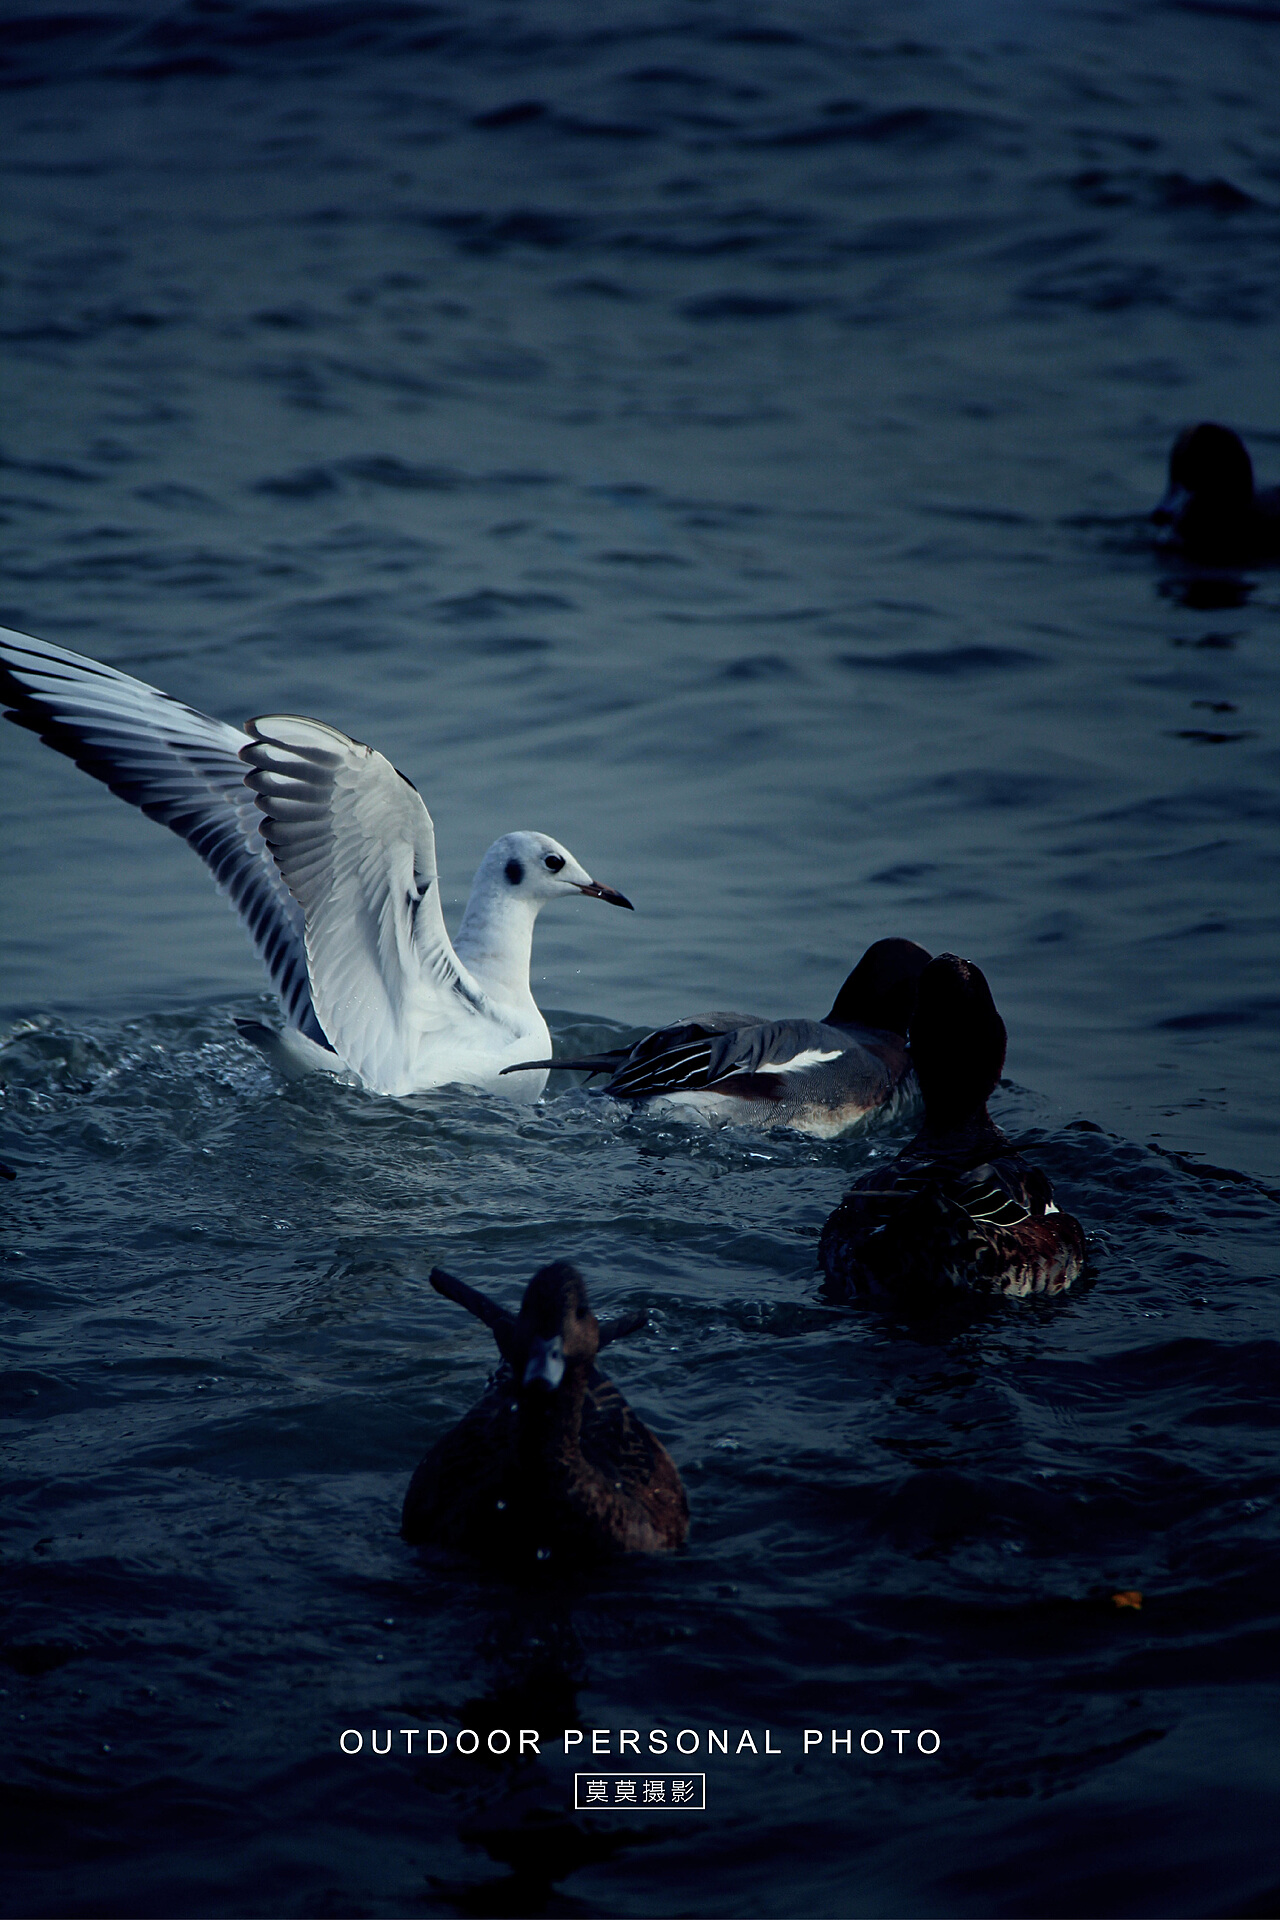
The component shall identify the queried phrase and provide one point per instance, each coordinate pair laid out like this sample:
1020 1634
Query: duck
328 855
821 1077
1211 510
551 1464
959 1211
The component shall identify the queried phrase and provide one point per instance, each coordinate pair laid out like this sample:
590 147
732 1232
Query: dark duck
959 1211
551 1464
1211 510
817 1076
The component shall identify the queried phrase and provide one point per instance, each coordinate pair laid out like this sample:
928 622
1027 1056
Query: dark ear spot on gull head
514 872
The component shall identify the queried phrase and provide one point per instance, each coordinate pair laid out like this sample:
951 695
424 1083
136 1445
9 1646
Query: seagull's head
535 868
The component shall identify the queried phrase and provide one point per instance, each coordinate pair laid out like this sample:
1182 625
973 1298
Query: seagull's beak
610 894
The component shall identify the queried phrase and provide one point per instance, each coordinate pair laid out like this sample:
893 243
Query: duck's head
1210 487
881 990
534 868
555 1329
957 1040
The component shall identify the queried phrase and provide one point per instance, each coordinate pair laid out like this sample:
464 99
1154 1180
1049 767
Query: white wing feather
356 848
181 768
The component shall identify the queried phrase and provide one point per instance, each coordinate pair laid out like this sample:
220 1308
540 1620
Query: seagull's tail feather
293 1054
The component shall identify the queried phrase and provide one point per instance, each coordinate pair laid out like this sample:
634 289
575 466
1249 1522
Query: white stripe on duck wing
328 855
959 1211
816 1076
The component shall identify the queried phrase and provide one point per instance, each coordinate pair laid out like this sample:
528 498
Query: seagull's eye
554 862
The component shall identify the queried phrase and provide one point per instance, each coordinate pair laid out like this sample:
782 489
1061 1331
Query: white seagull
328 855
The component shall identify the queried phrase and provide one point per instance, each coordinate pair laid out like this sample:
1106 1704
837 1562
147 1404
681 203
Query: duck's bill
545 1365
1171 507
610 894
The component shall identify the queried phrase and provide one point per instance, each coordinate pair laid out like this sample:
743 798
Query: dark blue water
719 435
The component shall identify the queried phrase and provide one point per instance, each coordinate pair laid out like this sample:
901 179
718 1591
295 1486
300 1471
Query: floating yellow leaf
1130 1599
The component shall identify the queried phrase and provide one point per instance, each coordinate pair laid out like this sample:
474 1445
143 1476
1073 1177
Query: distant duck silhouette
551 1463
818 1076
1211 510
959 1210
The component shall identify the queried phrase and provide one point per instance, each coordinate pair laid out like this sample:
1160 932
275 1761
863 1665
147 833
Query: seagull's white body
328 855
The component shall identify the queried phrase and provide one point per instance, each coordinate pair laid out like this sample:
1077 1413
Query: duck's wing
615 1439
666 1051
762 1052
455 1496
1008 1237
356 848
635 1465
182 769
686 1055
622 1324
992 1195
500 1323
983 1173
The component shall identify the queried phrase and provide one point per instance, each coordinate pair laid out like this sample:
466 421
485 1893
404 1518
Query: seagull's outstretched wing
181 768
357 849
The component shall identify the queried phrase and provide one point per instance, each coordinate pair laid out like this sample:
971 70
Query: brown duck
959 1210
551 1464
